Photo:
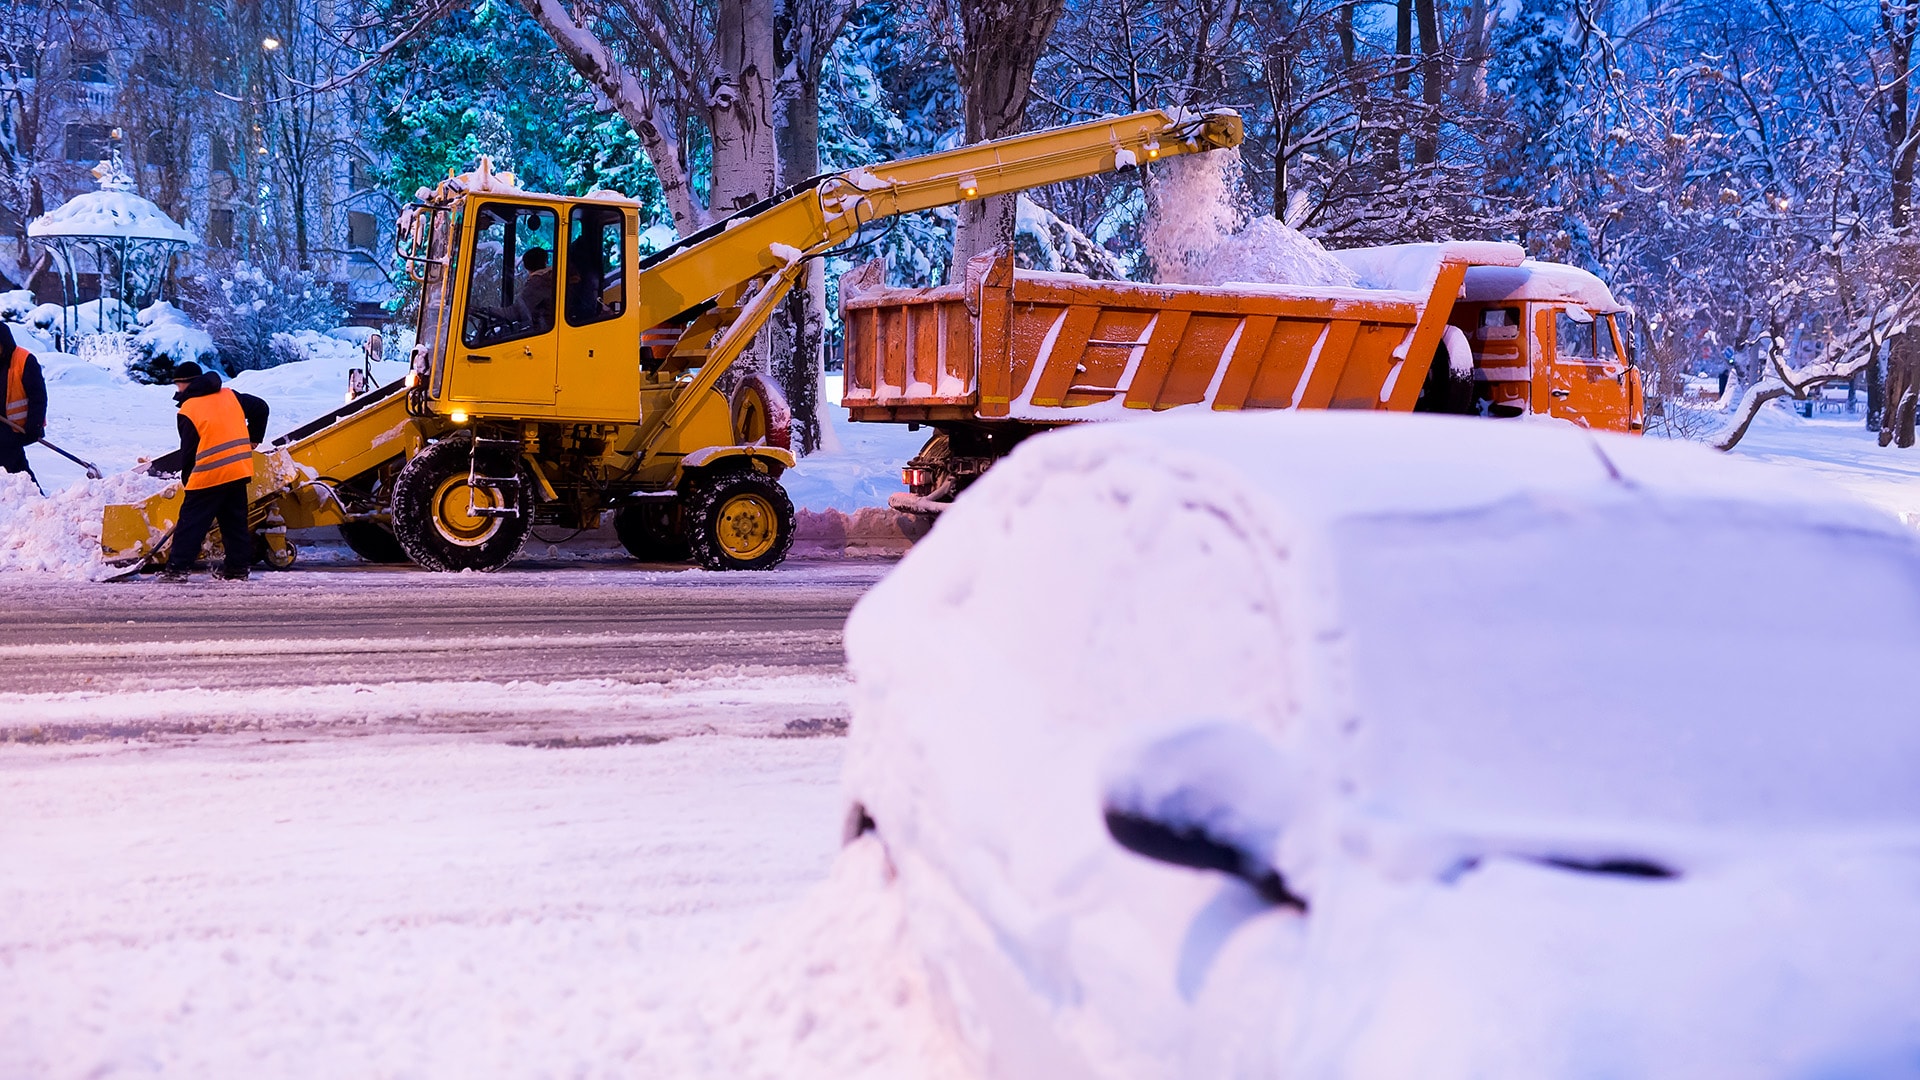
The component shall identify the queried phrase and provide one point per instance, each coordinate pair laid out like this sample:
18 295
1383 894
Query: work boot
224 574
174 577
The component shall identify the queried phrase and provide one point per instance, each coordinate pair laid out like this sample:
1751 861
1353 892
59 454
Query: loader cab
1548 340
527 314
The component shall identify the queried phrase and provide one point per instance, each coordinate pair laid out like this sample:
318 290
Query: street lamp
270 43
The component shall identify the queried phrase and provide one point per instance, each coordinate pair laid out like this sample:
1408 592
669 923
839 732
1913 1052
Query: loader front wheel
444 520
373 542
738 521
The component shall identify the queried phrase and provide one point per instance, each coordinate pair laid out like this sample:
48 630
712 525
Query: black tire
430 498
651 532
373 542
737 521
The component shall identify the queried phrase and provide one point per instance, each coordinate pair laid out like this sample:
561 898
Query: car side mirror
1212 797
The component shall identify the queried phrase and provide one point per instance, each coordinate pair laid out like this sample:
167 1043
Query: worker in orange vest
26 404
218 430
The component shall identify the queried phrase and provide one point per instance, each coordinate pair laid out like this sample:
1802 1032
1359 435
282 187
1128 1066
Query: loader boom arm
769 239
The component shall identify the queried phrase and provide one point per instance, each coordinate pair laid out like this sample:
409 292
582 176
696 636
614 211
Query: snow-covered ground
590 832
1842 452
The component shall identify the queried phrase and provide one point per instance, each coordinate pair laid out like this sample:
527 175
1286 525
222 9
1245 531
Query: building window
89 142
19 62
362 230
159 151
219 159
220 228
92 66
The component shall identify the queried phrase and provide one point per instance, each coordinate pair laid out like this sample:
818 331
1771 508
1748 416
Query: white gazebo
114 233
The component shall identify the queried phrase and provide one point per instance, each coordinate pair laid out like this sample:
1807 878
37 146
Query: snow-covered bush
243 306
308 345
15 305
167 338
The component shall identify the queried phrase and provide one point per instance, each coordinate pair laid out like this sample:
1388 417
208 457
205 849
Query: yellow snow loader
558 375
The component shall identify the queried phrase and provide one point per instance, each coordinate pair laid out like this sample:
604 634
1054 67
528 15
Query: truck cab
1549 340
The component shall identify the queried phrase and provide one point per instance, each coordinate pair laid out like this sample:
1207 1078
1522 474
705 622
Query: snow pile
59 534
1200 234
1447 811
859 465
831 988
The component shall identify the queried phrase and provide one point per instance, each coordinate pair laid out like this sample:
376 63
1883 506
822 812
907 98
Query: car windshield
1653 669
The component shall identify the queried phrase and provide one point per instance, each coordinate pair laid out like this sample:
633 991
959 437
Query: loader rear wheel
650 532
441 518
373 542
738 521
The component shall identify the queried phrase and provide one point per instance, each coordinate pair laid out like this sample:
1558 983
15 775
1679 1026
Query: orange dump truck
1432 327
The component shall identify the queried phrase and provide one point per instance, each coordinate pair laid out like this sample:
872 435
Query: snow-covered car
1341 745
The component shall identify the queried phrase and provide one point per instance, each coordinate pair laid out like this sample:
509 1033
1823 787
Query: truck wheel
650 533
373 542
434 508
737 521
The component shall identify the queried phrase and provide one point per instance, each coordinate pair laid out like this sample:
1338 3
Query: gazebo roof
114 212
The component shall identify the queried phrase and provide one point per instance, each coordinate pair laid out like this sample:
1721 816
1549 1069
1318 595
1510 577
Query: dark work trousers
13 457
226 503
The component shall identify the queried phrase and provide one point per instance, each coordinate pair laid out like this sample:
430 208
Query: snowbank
59 534
860 464
1198 233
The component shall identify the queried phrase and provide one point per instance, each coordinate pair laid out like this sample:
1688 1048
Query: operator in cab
533 307
26 404
218 430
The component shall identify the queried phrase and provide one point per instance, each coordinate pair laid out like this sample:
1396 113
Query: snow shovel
93 471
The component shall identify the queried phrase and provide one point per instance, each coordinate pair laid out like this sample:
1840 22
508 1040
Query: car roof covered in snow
1535 280
1347 465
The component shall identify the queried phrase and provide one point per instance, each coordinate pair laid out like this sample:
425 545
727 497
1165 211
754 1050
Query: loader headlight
458 416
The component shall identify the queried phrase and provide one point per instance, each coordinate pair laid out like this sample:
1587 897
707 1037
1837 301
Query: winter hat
186 372
7 344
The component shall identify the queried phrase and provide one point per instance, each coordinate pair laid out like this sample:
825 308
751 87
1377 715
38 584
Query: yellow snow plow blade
287 490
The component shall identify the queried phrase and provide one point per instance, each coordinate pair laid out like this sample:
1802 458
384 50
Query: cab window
1603 349
596 256
1573 340
1499 324
511 292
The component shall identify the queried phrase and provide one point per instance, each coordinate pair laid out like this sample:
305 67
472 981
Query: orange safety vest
17 389
226 453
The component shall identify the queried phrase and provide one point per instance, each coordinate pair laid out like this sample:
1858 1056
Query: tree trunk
1876 394
740 107
1903 390
1426 141
804 31
1000 42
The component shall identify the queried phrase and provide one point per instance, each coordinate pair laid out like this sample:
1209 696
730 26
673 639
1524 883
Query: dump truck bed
1023 346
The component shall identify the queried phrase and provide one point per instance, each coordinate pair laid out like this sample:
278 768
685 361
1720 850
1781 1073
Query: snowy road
414 824
538 654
